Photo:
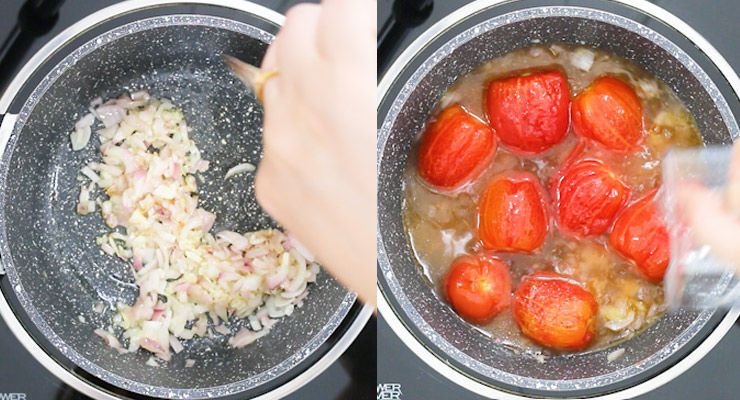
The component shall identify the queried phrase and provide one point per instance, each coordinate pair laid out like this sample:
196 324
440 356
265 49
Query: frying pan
54 272
636 30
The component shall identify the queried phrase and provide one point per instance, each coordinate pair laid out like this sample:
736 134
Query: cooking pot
54 272
636 30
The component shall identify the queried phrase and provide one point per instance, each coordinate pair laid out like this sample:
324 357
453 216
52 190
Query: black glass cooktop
21 376
403 374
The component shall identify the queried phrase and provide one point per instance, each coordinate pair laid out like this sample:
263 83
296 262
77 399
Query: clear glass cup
695 278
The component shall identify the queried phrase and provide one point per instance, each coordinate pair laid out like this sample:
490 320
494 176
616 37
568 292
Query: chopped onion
80 137
148 190
107 133
582 58
123 156
614 355
110 114
107 249
151 345
254 323
222 330
140 95
189 363
207 219
619 324
176 345
182 286
245 337
198 166
556 49
85 205
301 249
137 263
299 299
110 340
85 122
243 167
237 241
256 253
201 325
90 174
276 279
649 87
128 104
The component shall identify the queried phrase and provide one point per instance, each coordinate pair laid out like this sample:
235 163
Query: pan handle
7 123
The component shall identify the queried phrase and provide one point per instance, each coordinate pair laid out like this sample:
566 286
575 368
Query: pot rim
7 125
385 306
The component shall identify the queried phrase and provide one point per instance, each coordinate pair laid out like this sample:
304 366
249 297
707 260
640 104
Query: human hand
317 175
713 217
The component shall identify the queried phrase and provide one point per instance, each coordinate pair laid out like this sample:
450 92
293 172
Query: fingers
269 63
291 54
711 222
267 192
262 186
297 51
292 51
336 29
344 26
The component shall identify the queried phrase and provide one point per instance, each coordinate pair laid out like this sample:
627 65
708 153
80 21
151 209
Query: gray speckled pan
453 48
56 270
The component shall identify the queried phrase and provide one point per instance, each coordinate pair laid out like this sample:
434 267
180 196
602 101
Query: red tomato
641 236
609 113
478 287
512 213
529 113
455 149
587 196
554 311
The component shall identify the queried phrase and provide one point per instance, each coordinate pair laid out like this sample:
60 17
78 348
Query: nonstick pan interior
57 270
444 58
